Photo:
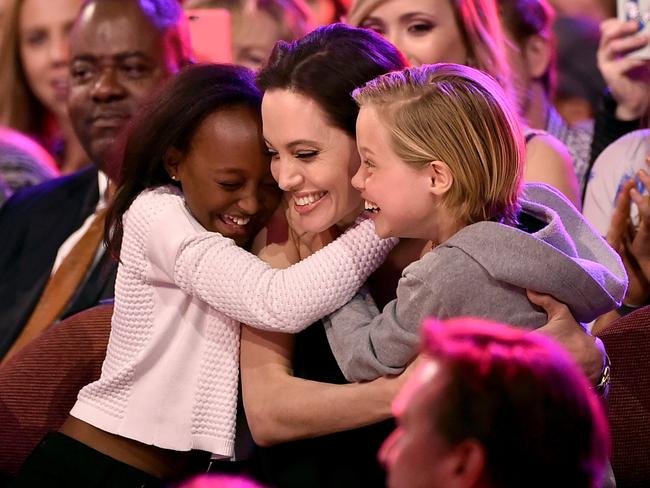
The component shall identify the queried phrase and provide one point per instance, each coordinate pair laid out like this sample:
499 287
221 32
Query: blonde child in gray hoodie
442 159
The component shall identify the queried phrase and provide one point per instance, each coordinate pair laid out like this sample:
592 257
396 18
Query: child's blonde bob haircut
458 115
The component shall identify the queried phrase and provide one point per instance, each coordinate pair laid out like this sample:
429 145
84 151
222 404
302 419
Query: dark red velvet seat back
39 385
628 344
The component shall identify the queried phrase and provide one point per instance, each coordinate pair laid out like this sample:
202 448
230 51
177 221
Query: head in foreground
493 406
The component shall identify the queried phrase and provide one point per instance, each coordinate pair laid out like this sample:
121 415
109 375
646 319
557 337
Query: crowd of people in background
370 243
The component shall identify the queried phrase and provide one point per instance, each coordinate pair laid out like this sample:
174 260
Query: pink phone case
210 34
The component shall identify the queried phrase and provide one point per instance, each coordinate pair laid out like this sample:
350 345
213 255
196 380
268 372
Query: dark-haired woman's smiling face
312 161
226 177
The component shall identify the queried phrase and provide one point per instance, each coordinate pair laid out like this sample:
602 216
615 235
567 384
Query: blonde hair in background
19 108
481 30
294 17
458 115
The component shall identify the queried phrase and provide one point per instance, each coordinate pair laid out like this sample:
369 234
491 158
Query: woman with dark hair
195 184
294 392
293 388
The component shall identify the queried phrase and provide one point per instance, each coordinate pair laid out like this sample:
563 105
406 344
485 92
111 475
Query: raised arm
280 407
626 76
626 101
368 344
233 281
633 246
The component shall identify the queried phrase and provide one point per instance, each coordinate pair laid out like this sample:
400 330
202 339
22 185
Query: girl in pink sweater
195 185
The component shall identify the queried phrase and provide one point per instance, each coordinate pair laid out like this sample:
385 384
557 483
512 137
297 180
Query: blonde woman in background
34 76
258 24
465 32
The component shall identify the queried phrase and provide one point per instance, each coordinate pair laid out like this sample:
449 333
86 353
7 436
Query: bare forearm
303 409
280 407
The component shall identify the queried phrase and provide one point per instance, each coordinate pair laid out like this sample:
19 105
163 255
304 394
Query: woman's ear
172 160
440 177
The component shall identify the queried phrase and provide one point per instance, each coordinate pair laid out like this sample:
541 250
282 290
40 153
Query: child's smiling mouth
371 206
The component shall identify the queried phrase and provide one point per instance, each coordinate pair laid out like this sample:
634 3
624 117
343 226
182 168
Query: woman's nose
288 175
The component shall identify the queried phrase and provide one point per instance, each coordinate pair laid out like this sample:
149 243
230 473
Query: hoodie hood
565 258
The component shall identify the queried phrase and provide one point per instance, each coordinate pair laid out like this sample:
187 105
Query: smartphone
638 10
210 34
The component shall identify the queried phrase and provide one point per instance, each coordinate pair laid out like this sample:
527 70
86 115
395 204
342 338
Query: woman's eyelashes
303 155
373 26
420 28
414 28
306 155
36 37
273 154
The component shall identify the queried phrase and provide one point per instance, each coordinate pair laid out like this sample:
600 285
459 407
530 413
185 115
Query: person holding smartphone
626 72
616 196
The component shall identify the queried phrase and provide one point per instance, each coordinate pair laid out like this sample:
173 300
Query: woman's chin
310 223
323 219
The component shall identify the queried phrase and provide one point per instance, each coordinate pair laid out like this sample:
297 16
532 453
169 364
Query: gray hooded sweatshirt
483 271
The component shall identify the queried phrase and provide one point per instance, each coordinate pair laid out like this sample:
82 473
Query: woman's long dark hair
327 64
168 121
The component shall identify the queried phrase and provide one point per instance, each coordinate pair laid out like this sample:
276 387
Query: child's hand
306 242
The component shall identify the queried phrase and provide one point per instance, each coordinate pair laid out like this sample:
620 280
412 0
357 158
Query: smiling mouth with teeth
371 207
236 220
308 199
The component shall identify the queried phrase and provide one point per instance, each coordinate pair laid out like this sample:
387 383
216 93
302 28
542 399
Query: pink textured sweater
171 368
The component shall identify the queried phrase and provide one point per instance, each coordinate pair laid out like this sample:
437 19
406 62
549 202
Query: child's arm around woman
214 269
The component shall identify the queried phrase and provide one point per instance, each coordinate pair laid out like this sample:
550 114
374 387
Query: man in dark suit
121 51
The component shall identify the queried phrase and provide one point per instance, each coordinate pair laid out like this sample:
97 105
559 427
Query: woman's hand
627 77
631 244
395 383
588 351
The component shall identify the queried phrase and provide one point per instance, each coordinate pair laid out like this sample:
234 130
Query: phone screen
210 34
638 10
